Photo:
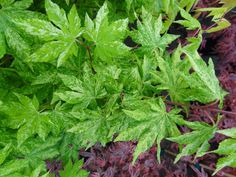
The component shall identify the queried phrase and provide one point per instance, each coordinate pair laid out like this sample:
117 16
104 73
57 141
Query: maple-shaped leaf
60 38
149 34
151 124
91 128
33 152
227 148
72 141
19 168
140 75
187 4
217 14
11 38
36 150
73 169
171 9
24 116
229 4
195 141
203 82
221 24
84 91
169 77
107 37
190 22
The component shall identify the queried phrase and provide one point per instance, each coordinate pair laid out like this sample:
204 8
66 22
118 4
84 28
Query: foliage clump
68 80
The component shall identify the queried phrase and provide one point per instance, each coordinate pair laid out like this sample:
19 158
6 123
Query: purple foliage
54 166
116 160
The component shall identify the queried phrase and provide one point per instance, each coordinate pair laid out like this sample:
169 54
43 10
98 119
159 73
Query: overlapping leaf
190 22
195 141
83 92
92 127
24 116
60 39
203 81
34 152
217 14
170 76
107 37
151 124
73 170
227 148
11 39
149 34
5 152
140 75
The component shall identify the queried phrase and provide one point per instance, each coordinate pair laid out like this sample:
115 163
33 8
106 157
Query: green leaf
60 43
108 38
215 12
170 76
4 153
13 166
37 171
35 150
74 170
56 15
72 141
151 124
23 4
41 28
7 137
141 76
231 132
82 91
91 128
195 141
11 37
6 3
17 43
24 116
203 82
149 34
188 4
56 46
74 21
2 45
40 124
221 24
229 4
228 149
190 22
128 3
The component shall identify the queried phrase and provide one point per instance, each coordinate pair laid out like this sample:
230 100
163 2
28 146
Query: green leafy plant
73 170
226 148
68 81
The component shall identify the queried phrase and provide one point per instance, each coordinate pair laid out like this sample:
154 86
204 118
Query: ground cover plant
88 86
